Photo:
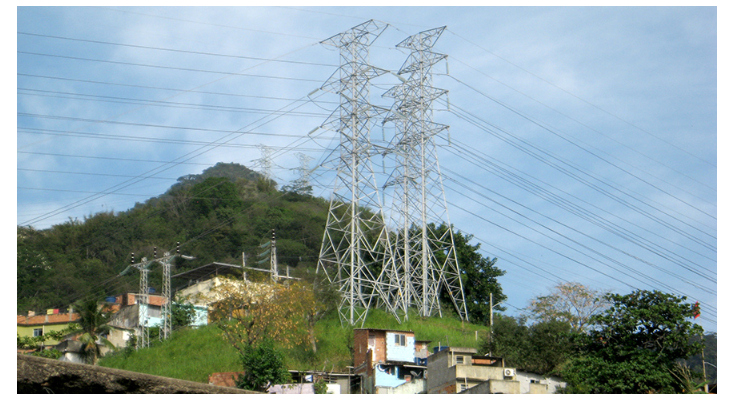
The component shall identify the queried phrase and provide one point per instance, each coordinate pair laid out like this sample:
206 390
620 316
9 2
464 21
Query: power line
227 73
177 50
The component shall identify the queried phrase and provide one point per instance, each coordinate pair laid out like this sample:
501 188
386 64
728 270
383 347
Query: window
459 359
462 387
37 332
400 340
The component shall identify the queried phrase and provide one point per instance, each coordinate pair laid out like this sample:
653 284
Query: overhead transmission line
577 97
149 87
519 178
574 143
177 50
649 246
570 169
227 73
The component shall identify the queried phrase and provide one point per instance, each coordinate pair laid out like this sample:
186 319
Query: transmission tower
423 248
265 162
143 296
355 236
302 185
142 301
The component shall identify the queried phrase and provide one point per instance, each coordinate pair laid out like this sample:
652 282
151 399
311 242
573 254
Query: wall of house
396 352
413 387
385 379
529 378
478 372
28 331
494 386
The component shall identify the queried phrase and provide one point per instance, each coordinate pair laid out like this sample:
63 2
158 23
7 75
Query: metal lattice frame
425 256
166 331
355 237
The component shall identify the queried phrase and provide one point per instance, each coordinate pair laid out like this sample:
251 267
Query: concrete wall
43 375
494 386
416 386
529 378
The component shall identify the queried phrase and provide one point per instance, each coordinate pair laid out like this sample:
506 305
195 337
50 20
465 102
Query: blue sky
583 141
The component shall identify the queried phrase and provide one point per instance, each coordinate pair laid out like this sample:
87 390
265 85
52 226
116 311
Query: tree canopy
570 302
634 345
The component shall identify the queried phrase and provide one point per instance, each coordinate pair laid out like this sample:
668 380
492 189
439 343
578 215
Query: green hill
226 210
193 354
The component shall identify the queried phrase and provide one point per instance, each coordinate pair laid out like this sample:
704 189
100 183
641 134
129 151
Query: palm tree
94 322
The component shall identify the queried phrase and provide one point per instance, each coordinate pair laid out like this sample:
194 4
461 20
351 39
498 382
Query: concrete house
38 325
390 361
534 383
460 370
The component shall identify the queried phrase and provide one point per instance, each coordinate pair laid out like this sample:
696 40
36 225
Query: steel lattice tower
423 249
355 237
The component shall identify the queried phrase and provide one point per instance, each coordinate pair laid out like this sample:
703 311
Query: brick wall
223 378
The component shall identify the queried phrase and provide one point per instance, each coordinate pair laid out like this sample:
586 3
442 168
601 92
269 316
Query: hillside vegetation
226 210
193 354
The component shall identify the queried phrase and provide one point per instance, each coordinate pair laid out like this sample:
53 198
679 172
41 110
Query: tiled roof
47 319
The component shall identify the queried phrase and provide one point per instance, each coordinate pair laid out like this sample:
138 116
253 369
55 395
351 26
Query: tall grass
193 354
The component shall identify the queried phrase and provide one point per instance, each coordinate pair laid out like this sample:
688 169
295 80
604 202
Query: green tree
94 318
541 347
569 302
634 345
479 276
263 366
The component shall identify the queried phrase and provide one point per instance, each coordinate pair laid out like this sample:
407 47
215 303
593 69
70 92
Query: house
461 370
534 383
389 361
53 320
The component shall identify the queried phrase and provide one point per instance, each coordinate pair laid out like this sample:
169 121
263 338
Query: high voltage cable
150 102
482 195
186 157
112 158
149 87
591 250
565 256
177 50
508 174
227 73
574 143
581 99
535 152
100 136
578 211
201 129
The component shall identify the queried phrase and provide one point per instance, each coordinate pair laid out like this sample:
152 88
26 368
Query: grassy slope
195 354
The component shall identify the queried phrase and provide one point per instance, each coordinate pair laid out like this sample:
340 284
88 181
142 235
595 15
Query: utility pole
491 320
274 261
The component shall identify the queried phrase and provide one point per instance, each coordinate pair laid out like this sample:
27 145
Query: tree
249 313
316 297
183 314
541 347
479 276
634 345
569 302
94 318
263 366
